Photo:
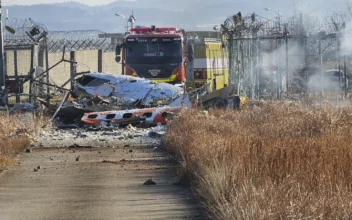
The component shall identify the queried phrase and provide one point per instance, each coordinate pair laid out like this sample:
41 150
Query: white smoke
276 61
325 82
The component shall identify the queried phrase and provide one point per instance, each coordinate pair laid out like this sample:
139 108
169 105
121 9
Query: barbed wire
21 28
56 40
75 35
81 40
252 25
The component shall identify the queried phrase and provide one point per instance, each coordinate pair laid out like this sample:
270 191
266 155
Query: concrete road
94 183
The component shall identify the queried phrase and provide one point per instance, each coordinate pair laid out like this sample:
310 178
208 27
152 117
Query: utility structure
131 19
278 16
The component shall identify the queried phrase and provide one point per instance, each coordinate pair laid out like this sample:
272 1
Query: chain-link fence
32 50
289 65
82 40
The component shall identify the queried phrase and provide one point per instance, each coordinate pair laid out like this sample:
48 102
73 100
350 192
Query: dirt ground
98 177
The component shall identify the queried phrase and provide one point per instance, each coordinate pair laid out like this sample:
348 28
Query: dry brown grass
16 134
279 161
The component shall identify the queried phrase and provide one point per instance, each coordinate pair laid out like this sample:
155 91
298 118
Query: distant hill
188 14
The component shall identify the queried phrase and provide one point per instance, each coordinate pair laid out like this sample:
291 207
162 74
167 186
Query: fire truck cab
153 53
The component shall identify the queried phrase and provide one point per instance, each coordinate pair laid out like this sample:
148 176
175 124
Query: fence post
321 68
306 67
287 69
5 72
255 66
41 58
345 80
303 46
72 69
15 61
33 64
338 56
100 60
242 72
230 58
259 68
250 78
45 44
278 73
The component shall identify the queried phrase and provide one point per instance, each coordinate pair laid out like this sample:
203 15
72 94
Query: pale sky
30 2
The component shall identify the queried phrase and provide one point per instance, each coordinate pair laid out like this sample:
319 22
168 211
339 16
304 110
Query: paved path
105 183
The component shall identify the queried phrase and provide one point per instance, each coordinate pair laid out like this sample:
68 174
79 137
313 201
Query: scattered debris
23 108
102 101
77 159
78 146
154 134
149 182
130 127
223 98
38 167
69 126
29 150
80 135
147 116
35 169
60 105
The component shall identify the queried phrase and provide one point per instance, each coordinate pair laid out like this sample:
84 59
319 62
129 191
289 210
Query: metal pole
287 76
132 19
321 68
33 64
242 73
345 70
303 48
339 61
278 15
259 69
72 69
306 74
230 58
278 74
126 26
2 72
238 67
251 68
15 57
47 68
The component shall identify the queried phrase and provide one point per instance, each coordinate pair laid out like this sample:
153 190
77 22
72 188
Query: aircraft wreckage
101 100
107 100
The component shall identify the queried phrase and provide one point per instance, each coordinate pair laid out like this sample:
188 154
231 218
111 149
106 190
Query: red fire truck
153 53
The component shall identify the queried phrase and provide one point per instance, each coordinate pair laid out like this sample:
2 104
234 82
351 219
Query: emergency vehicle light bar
149 30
